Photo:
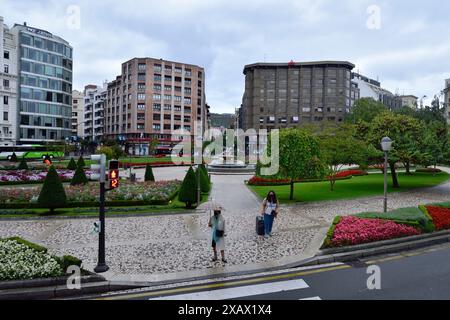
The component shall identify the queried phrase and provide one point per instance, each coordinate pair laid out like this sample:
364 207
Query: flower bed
142 192
342 175
21 262
440 216
29 176
353 231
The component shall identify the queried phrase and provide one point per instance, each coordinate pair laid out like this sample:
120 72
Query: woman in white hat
217 223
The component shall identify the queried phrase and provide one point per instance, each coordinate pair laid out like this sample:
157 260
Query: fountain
221 164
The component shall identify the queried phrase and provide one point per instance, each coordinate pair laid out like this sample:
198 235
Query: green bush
205 184
72 164
31 245
203 168
80 162
67 261
23 165
52 194
188 190
79 177
149 173
13 157
330 232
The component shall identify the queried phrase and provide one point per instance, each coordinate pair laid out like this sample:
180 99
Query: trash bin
133 177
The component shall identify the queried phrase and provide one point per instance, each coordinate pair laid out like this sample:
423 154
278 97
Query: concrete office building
45 88
279 95
8 86
409 101
77 114
151 99
447 100
94 112
370 88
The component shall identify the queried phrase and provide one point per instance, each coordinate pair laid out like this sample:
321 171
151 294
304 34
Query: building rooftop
264 65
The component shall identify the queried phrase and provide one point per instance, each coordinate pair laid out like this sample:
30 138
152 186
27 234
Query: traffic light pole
101 265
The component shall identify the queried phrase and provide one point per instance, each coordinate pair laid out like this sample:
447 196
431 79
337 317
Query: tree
365 109
340 147
13 157
299 156
79 177
107 151
407 135
188 190
23 164
205 184
72 164
435 144
203 167
81 162
52 194
149 173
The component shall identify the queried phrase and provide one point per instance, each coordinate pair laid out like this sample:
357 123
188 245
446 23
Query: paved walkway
156 245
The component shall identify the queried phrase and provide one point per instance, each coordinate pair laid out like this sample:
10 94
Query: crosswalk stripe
240 292
311 298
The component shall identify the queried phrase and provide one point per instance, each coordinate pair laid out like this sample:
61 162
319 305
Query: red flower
440 216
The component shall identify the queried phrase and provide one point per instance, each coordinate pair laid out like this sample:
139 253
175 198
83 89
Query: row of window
45 44
43 121
45 83
45 70
42 95
157 117
167 97
165 127
44 108
167 107
158 87
43 134
45 57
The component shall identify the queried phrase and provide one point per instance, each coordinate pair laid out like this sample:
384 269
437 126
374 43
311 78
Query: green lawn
356 187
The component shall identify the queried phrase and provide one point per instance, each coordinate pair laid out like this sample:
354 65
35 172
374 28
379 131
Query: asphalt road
422 274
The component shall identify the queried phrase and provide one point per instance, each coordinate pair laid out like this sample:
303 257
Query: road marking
240 292
312 298
222 284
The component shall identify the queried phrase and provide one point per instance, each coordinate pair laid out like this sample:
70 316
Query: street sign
113 174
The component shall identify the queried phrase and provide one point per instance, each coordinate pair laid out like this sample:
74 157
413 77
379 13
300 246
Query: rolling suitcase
260 225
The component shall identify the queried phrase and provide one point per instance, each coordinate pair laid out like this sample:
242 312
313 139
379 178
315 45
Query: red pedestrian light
113 174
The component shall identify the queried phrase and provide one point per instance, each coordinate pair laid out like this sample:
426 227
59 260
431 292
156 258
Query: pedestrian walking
217 224
270 210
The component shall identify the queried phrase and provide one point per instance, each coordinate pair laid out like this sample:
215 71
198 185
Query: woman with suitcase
270 207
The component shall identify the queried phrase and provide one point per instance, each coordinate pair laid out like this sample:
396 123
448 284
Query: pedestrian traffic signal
99 168
113 174
47 160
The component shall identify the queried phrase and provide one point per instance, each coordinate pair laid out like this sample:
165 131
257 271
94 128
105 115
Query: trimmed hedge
66 261
13 183
23 165
330 232
72 164
31 245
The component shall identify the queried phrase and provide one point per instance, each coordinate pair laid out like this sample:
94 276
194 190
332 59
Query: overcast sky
408 48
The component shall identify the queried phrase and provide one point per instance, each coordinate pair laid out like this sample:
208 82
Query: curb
35 283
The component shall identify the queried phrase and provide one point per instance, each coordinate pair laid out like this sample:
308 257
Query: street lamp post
386 145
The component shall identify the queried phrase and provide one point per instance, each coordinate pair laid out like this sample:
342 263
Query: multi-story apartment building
45 85
370 88
279 95
151 99
77 114
8 86
94 112
447 100
409 101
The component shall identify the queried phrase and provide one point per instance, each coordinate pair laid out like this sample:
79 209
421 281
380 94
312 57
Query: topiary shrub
23 165
203 168
72 164
79 177
52 195
205 184
188 190
81 162
13 157
67 261
149 173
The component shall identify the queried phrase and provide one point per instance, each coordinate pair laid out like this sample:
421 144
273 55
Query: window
5 100
177 108
177 79
178 70
167 78
157 67
157 77
5 116
167 107
187 119
157 107
6 68
187 110
306 109
167 88
140 127
157 87
187 91
178 89
187 100
187 82
261 120
167 97
188 72
294 119
156 116
141 66
271 119
156 127
178 98
6 55
6 83
156 96
141 106
141 96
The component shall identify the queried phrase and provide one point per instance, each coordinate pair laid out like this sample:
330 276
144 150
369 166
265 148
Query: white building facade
94 112
77 114
8 86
